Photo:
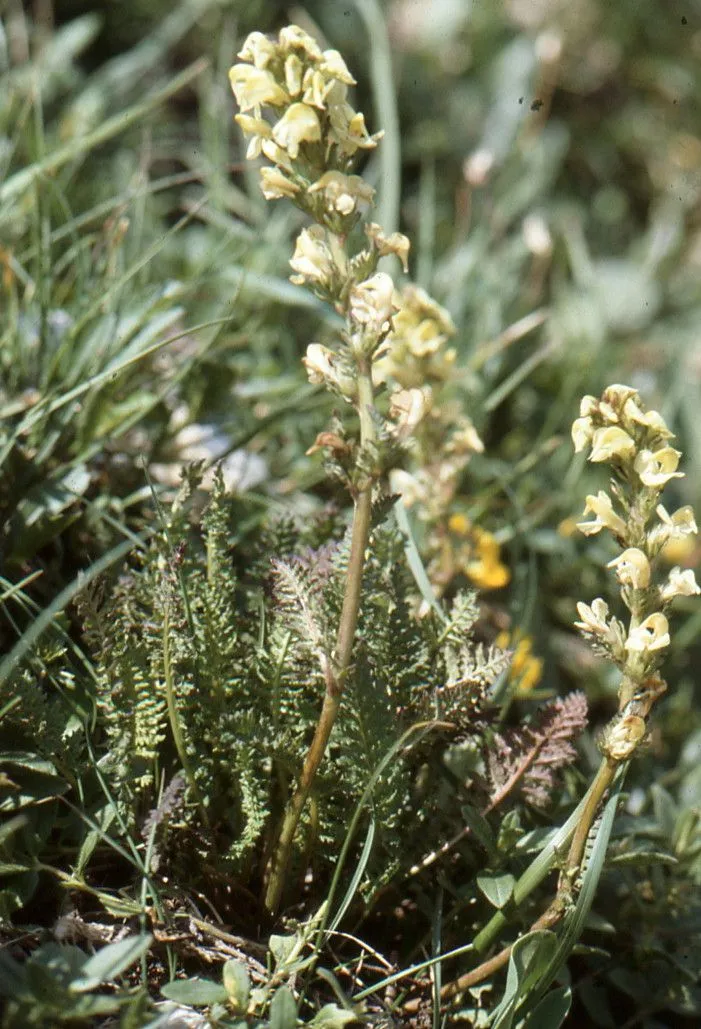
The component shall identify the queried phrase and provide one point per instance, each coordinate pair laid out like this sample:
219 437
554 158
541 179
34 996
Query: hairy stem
342 656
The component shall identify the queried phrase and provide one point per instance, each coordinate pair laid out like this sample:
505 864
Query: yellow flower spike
632 568
680 584
254 87
601 505
652 634
611 443
299 124
656 469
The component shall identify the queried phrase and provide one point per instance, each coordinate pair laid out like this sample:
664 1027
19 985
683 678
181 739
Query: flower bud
275 185
582 433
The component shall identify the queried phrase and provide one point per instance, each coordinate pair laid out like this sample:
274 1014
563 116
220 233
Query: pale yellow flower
292 37
333 66
650 419
317 88
258 129
275 185
652 634
312 259
396 243
343 193
680 584
601 505
611 443
588 406
632 568
348 130
679 524
258 49
254 87
408 407
593 617
582 433
486 570
371 302
324 368
294 72
299 124
656 469
409 487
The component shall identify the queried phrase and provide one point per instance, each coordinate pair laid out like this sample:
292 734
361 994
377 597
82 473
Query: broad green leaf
281 947
552 1010
332 1016
111 961
195 991
283 1009
237 984
498 889
530 957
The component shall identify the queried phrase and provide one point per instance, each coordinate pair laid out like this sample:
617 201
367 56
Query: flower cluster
618 430
313 134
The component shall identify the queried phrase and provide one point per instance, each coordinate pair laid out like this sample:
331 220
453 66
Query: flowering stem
344 645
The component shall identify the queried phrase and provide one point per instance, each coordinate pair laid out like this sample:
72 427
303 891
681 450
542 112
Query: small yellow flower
582 433
396 243
526 669
650 419
459 524
652 634
408 407
680 584
371 302
343 193
601 505
680 524
258 49
611 443
312 259
333 66
258 129
294 72
299 124
656 469
275 185
292 37
593 617
632 568
485 569
254 87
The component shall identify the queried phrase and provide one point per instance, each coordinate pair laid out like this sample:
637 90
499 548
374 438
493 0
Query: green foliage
61 985
212 668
